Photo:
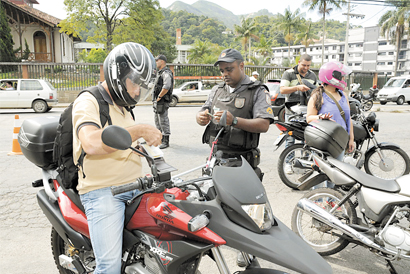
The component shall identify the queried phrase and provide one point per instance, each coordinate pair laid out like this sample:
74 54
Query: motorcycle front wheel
367 105
393 163
288 172
321 237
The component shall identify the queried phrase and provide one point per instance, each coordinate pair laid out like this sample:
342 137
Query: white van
397 89
37 94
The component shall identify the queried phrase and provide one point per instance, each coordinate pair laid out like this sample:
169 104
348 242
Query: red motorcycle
171 224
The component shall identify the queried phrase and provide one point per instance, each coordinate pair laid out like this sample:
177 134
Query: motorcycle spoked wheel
367 105
321 237
396 163
292 153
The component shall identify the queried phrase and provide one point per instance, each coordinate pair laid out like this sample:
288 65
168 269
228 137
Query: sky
238 7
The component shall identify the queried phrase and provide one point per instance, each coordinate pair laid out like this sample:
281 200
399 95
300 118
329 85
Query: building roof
28 14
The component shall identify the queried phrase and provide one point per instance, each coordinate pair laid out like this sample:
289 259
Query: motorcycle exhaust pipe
299 163
322 215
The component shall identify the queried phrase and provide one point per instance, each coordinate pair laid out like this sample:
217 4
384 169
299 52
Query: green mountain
212 10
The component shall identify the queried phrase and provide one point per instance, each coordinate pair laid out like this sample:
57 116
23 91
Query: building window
357 64
326 48
381 63
333 56
389 63
349 64
334 47
404 44
382 43
391 53
382 53
359 45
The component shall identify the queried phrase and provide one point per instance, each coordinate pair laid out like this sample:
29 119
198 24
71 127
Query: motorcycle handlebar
140 184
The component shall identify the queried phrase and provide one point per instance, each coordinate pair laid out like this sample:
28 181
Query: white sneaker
288 169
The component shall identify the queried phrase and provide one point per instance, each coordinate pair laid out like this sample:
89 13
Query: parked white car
195 91
397 89
37 94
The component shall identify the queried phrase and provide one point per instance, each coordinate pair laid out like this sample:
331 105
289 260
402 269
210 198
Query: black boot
165 142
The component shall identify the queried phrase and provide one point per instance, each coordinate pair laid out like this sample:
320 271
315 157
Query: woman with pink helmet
322 106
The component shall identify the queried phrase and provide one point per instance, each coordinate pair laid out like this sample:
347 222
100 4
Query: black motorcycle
365 100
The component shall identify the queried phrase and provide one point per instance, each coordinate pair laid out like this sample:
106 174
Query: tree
324 7
264 47
108 16
7 54
287 22
393 26
306 36
198 51
94 56
245 32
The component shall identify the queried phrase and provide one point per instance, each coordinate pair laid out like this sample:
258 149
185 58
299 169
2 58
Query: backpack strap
104 118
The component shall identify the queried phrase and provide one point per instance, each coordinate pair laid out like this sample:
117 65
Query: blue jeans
105 216
289 141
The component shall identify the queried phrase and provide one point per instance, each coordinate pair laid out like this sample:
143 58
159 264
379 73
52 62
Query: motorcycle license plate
279 139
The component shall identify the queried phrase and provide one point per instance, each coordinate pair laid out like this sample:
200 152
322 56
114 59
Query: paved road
25 232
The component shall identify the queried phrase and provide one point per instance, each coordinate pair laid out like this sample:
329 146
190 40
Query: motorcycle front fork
221 263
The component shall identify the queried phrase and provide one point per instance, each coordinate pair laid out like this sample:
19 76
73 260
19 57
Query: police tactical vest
160 83
240 104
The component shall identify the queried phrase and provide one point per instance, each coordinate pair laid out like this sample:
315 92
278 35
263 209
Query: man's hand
151 135
302 88
203 118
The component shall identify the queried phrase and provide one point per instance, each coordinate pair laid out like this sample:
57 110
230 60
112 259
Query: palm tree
264 47
245 32
287 22
324 7
306 36
199 50
393 26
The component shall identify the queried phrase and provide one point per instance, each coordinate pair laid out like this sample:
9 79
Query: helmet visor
137 88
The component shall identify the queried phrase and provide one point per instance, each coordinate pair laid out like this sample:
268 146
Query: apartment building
368 51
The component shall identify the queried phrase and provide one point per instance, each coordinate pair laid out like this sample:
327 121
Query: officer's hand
152 135
303 88
203 118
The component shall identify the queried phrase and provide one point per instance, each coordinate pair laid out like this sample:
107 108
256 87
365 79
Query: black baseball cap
229 56
161 57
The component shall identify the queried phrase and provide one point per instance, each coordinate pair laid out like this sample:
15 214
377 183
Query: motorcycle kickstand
391 268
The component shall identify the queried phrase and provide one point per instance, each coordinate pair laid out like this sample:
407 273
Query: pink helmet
332 73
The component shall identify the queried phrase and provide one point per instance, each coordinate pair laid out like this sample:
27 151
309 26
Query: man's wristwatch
234 121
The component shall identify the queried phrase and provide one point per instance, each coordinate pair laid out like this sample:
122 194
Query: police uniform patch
269 110
267 95
239 102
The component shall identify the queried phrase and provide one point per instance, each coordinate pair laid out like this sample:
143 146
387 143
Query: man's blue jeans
105 216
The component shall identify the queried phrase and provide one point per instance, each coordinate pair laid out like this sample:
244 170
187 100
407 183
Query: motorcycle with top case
171 224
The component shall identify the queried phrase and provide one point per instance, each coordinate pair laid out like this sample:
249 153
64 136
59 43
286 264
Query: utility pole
348 14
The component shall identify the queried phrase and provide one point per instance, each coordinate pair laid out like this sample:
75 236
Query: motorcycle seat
367 97
72 194
365 179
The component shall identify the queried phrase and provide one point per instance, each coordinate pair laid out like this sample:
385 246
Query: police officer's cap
161 57
229 56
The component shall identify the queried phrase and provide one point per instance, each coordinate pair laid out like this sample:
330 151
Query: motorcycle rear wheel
293 152
318 235
59 247
396 163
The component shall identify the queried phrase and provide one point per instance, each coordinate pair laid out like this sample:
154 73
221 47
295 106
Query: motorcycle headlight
261 214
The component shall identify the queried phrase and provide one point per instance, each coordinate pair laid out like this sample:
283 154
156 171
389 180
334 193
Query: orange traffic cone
16 150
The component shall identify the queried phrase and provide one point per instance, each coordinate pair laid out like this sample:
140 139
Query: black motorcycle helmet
129 61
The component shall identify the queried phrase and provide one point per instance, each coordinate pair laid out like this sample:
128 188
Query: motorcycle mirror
116 137
222 121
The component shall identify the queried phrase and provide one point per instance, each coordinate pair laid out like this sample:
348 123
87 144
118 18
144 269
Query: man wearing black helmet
129 72
162 98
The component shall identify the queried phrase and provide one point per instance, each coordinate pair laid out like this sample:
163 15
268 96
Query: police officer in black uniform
248 107
162 98
249 113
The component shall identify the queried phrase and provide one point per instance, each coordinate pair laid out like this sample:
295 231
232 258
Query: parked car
37 94
397 89
189 92
277 98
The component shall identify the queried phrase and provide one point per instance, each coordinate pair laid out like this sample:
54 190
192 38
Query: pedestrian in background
162 98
